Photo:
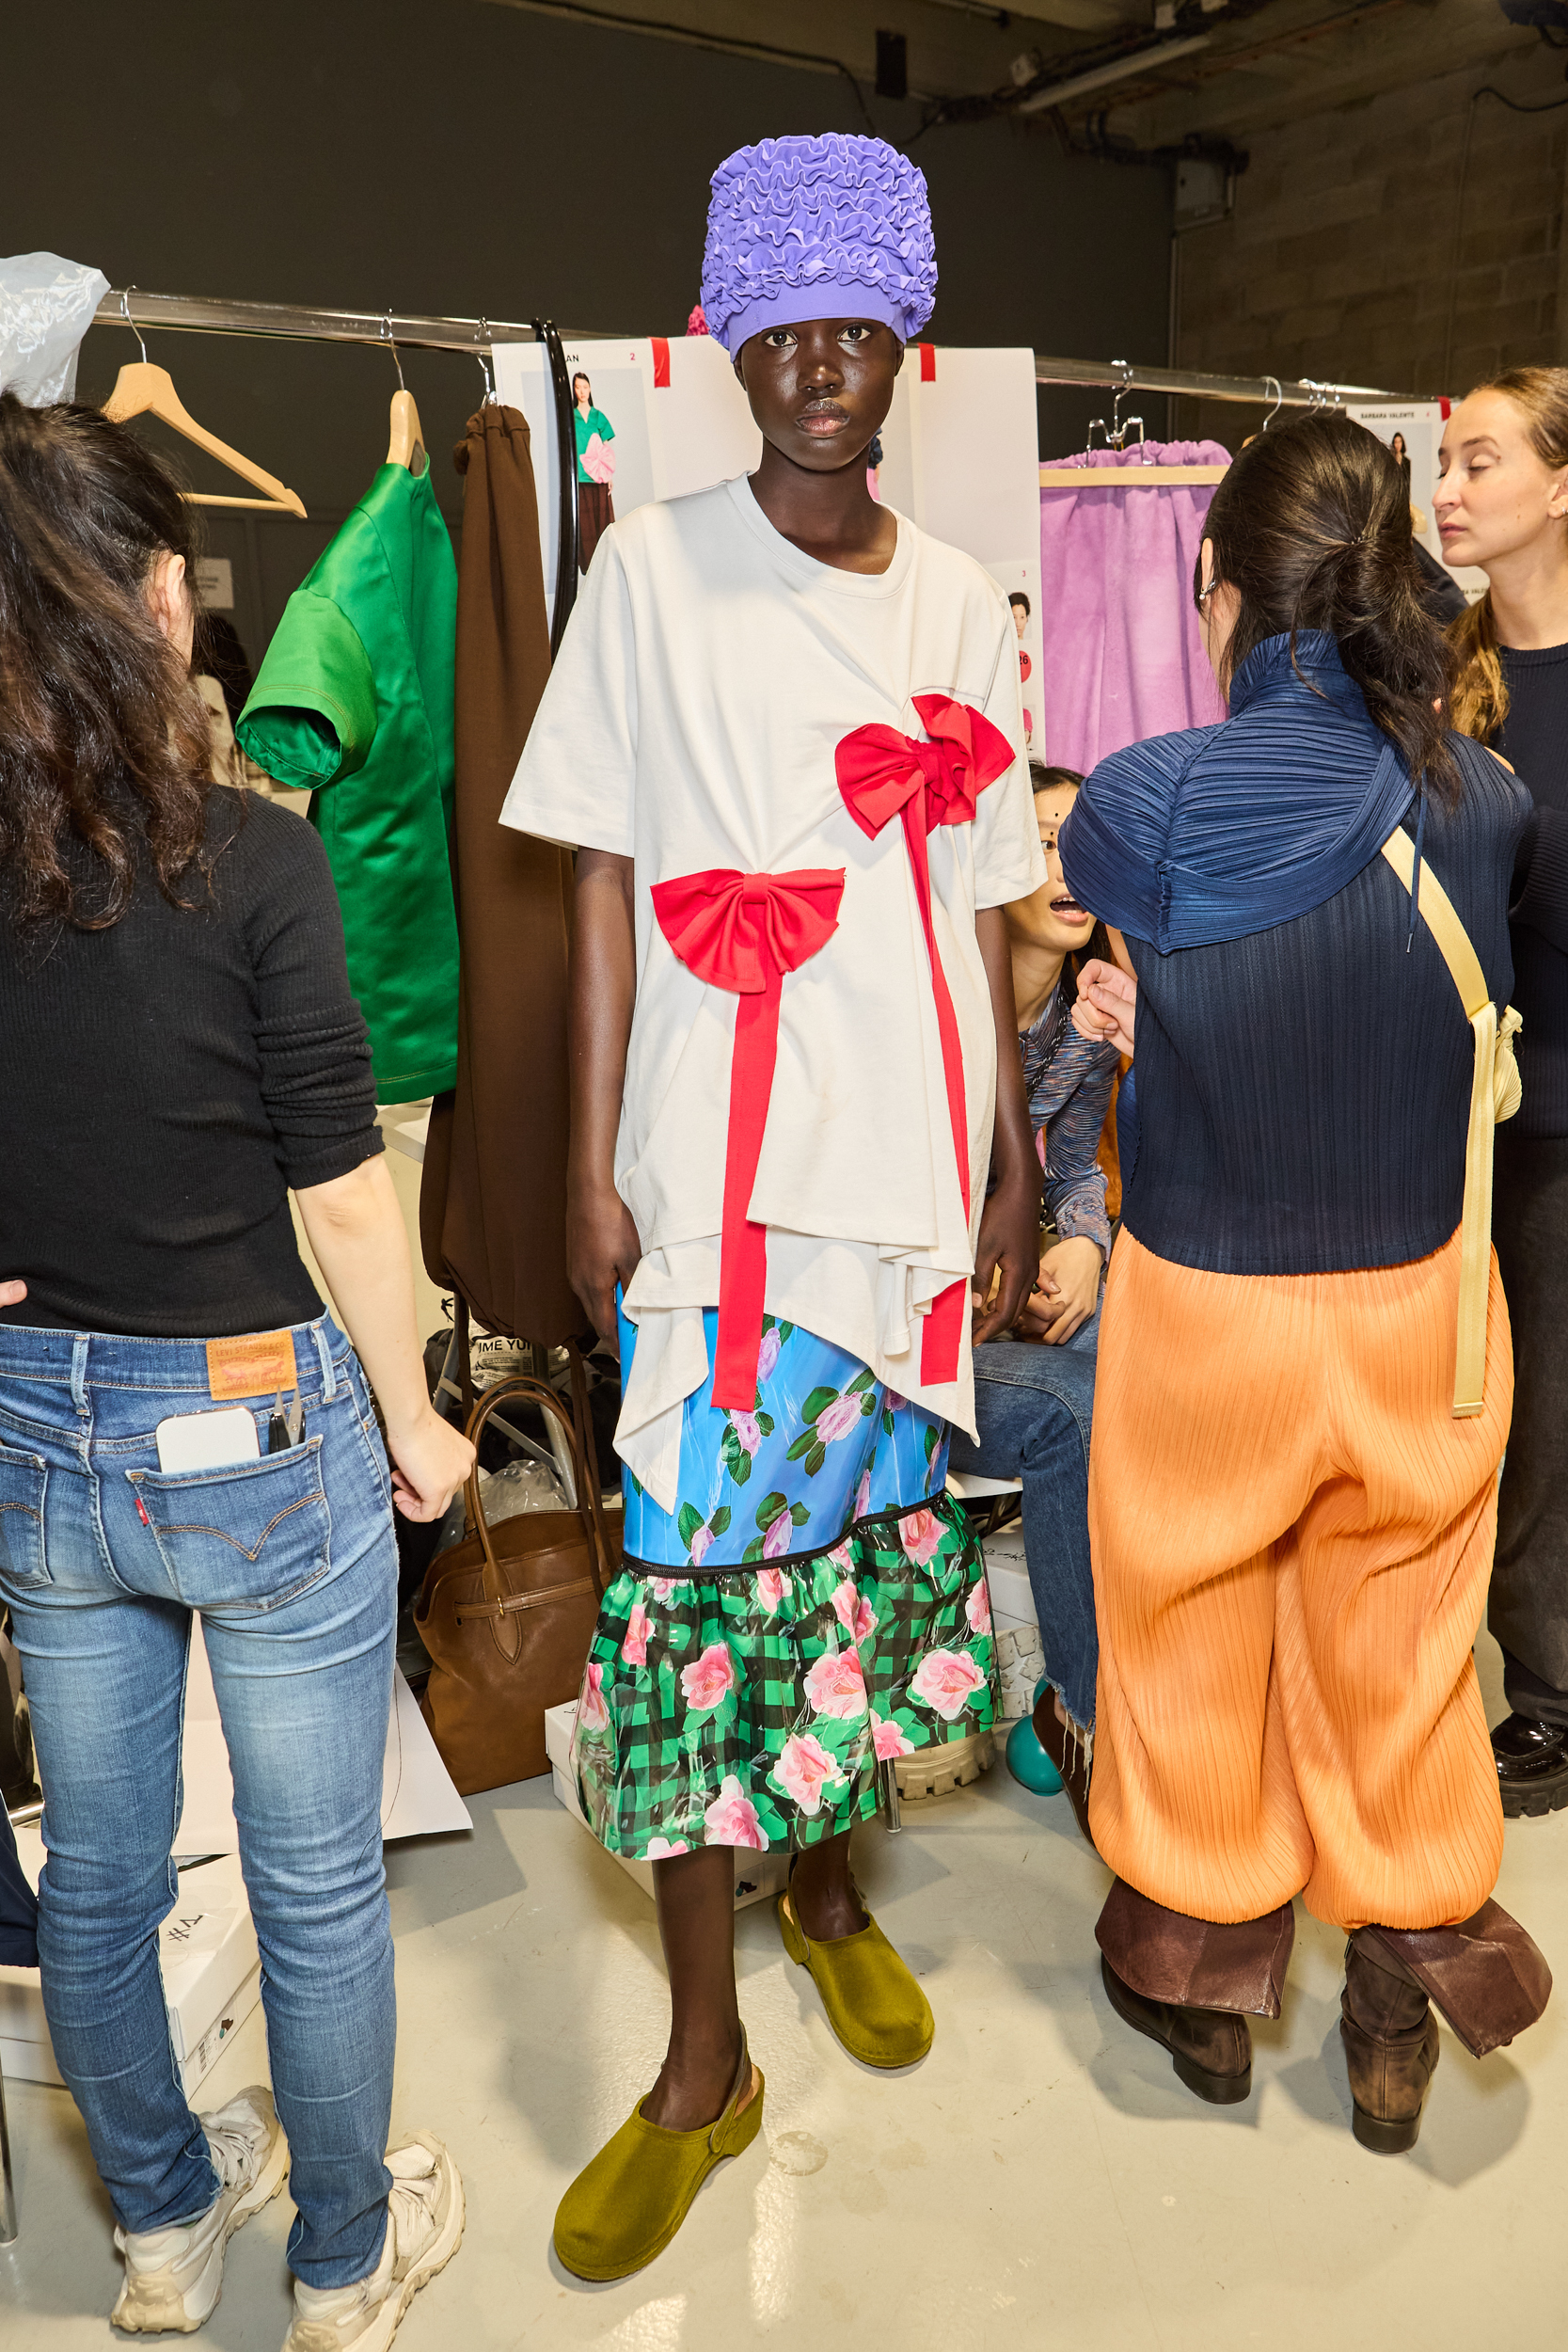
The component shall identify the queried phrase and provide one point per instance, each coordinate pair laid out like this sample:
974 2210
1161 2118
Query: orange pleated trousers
1291 1539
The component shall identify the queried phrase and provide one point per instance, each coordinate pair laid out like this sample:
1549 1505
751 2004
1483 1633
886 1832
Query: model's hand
12 1294
602 1248
430 1461
1068 1293
1008 1253
1107 1002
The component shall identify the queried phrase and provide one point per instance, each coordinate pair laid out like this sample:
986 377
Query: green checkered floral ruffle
752 1707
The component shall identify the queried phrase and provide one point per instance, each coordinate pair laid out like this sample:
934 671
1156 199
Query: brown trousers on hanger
493 1201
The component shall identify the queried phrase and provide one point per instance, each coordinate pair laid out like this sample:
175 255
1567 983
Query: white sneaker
173 2276
424 2228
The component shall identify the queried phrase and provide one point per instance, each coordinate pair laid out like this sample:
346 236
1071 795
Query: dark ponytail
1311 526
102 735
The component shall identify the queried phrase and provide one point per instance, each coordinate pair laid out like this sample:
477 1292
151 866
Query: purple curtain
1123 658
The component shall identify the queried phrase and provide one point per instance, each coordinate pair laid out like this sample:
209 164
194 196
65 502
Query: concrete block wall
1339 259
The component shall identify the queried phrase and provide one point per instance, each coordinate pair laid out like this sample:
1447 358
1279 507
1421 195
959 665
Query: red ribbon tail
939 1343
743 1260
944 1321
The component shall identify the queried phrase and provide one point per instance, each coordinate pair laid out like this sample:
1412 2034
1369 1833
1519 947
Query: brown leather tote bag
507 1614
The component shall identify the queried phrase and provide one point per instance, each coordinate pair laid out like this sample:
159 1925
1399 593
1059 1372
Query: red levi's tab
882 774
743 933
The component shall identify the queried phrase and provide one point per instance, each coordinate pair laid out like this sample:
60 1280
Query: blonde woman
1503 506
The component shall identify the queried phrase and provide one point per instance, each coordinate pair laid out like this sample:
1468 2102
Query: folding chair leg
8 2192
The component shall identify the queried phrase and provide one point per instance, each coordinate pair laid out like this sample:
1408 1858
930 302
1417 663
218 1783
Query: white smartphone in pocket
192 1442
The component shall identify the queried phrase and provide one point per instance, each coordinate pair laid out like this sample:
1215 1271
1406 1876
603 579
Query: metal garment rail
1263 392
191 314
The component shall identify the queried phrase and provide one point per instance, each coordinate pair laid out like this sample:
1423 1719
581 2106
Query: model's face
1398 445
1021 619
584 392
1495 495
820 390
1052 918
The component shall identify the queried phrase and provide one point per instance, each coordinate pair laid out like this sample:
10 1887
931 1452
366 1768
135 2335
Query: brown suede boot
1210 2048
1391 2051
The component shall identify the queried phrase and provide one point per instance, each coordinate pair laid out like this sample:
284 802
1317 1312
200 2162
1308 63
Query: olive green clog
874 2004
626 2206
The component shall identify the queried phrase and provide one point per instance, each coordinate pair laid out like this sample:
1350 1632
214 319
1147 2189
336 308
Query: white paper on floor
418 1798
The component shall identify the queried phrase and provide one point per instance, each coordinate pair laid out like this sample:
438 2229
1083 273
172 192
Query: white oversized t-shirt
705 678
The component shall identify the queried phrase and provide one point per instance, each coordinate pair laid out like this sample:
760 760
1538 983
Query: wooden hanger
405 445
142 389
1133 477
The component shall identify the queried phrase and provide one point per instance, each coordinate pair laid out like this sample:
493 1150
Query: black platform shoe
1532 1765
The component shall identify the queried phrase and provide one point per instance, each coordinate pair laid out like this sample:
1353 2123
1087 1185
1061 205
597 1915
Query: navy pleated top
1304 1062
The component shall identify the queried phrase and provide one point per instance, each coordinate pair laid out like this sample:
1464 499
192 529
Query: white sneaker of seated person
173 2276
424 2228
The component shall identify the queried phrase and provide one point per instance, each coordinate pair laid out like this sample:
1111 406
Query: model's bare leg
822 1893
695 1893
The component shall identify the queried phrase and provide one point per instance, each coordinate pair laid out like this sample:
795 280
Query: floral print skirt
745 1680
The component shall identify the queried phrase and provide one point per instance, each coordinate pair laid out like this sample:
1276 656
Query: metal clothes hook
125 294
387 330
482 357
1278 402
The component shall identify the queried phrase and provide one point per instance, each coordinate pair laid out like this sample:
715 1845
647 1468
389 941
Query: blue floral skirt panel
825 1444
814 1608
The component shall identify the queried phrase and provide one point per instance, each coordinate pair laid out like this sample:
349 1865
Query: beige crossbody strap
1494 1095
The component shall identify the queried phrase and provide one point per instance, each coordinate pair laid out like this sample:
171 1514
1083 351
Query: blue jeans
1034 1408
292 1564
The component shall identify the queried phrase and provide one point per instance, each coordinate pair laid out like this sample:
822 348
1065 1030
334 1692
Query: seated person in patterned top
1034 1405
785 734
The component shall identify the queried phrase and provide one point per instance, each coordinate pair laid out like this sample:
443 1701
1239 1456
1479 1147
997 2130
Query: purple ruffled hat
817 228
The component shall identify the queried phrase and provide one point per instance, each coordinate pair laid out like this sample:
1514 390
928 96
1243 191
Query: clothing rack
191 315
292 322
1263 392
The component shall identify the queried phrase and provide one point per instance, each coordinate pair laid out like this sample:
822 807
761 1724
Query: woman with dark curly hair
184 1427
1304 1375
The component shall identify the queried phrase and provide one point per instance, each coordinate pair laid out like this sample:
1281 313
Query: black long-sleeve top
1534 740
165 1083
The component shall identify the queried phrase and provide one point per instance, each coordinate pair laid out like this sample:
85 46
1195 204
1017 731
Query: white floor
1041 2181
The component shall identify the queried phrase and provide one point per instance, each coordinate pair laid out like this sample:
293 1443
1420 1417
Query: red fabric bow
882 774
743 933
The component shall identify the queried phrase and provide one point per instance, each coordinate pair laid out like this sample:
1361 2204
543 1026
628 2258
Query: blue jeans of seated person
1033 1408
292 1564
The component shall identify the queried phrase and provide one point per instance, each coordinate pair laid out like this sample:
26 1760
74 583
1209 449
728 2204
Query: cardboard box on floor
758 1877
418 1798
207 1946
212 1974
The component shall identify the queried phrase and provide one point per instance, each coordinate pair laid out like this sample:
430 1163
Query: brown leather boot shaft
1487 1976
1380 2003
1196 1964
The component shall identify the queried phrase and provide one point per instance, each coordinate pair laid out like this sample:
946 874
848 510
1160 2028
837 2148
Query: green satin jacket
353 703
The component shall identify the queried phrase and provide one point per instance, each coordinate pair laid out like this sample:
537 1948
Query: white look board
961 450
418 1797
1420 424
